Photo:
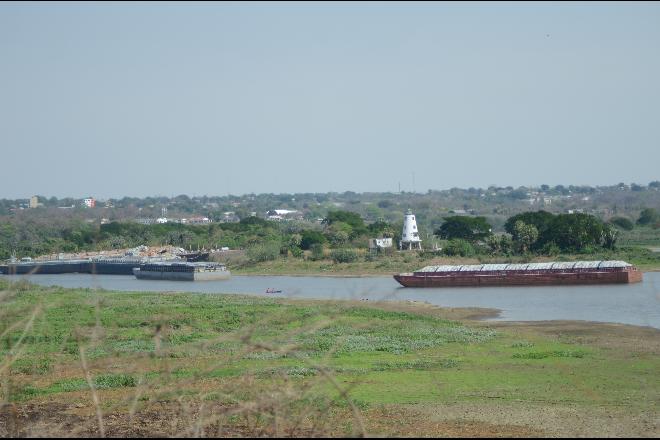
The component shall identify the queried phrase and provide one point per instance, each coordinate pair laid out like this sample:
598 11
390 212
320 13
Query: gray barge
96 266
182 271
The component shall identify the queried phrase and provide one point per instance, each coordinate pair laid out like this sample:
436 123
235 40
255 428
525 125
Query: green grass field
263 364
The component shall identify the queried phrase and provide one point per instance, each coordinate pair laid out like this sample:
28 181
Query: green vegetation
466 228
623 223
342 238
150 349
648 216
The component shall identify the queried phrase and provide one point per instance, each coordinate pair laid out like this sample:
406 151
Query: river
637 304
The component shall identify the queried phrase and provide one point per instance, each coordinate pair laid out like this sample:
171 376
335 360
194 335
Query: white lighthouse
410 235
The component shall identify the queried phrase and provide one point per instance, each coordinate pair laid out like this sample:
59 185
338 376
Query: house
196 221
89 202
376 244
280 214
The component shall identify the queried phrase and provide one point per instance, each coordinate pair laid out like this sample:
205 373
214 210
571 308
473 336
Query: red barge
528 274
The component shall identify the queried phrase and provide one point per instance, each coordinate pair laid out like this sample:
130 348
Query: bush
622 223
344 255
459 247
551 249
648 216
296 251
263 252
309 238
317 251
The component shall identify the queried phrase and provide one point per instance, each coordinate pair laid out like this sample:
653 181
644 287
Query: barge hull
181 276
94 268
618 277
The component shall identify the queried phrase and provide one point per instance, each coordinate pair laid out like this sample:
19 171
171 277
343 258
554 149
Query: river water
637 304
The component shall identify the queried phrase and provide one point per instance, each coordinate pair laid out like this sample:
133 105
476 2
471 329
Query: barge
182 271
94 266
528 274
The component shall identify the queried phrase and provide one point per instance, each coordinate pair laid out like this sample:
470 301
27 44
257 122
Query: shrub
344 255
551 249
622 223
648 216
296 251
459 247
310 238
317 251
263 252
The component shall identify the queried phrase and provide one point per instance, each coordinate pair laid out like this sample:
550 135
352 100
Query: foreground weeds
89 362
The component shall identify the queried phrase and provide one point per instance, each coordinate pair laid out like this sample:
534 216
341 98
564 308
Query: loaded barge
95 266
552 273
182 271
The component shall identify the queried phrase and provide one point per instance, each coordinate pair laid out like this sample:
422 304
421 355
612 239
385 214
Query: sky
139 99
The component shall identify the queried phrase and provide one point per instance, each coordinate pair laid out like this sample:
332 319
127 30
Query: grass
284 360
642 236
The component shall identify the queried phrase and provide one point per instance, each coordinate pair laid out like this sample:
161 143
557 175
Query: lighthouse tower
410 235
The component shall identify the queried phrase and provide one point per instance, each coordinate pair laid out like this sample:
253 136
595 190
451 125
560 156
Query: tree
381 228
575 232
622 223
494 244
648 216
310 238
351 218
525 235
609 236
539 219
338 233
467 228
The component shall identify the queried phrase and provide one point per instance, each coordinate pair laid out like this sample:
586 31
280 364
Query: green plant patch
548 354
32 366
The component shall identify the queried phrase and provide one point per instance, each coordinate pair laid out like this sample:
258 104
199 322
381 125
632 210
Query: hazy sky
165 99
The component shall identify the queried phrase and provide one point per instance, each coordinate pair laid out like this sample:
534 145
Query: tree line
537 232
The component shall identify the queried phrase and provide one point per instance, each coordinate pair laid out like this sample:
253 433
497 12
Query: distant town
496 203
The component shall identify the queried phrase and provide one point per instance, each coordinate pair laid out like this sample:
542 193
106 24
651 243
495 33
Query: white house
380 243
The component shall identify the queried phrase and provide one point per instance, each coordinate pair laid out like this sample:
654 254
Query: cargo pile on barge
552 273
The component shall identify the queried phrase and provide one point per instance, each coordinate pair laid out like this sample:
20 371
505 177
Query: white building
280 214
34 202
380 243
410 235
90 202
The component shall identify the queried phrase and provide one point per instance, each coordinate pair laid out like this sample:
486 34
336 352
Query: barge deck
551 273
